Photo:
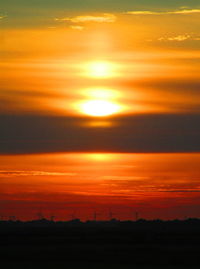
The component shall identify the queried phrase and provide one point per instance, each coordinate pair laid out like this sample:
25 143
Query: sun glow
100 69
99 108
101 157
100 101
101 93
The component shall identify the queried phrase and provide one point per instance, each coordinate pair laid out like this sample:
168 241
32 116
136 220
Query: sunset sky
100 109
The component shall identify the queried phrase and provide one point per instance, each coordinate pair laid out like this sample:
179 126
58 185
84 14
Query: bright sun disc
99 108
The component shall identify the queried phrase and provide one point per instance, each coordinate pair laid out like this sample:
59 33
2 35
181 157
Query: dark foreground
140 245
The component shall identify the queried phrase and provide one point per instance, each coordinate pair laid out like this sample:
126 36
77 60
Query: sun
99 108
100 69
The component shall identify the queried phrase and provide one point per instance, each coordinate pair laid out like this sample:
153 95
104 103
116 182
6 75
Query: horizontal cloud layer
106 17
173 12
139 133
8 173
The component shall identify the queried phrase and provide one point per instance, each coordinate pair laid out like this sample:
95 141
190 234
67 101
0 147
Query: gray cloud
139 133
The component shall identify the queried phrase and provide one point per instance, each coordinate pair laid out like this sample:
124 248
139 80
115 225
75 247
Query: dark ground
138 245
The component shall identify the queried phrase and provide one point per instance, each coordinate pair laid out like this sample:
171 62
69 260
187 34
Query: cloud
104 18
189 190
2 17
179 38
77 27
125 178
175 12
33 173
138 133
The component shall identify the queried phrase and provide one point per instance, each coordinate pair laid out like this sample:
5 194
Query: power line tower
40 216
136 216
52 218
73 215
110 215
95 215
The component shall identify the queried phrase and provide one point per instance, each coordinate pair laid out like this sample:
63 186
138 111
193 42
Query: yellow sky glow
100 69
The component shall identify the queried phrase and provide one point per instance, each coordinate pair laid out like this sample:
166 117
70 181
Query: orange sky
47 70
156 185
114 78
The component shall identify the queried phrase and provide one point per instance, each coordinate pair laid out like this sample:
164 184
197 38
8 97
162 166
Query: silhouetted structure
95 215
110 215
40 215
136 216
52 218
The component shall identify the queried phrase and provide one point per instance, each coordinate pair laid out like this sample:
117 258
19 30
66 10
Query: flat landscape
73 244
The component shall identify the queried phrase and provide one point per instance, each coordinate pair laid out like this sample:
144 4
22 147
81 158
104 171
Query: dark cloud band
139 133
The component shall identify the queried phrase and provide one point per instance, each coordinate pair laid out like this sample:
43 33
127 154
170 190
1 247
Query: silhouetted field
141 244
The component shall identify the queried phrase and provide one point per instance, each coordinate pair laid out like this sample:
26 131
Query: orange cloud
178 12
34 173
104 18
2 17
179 38
77 27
